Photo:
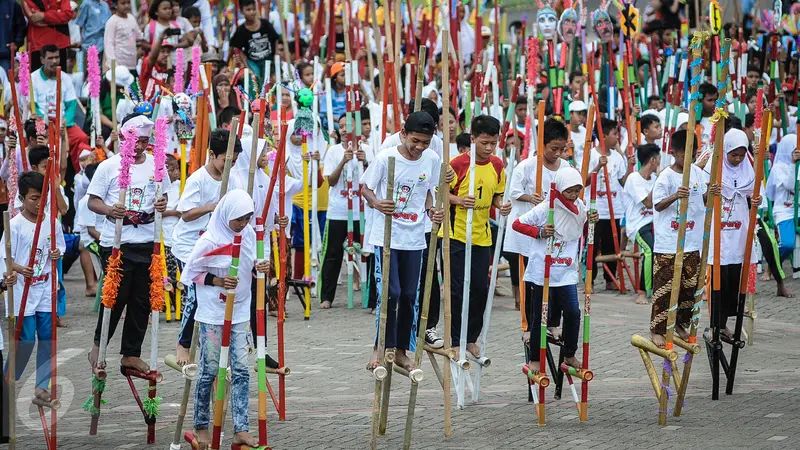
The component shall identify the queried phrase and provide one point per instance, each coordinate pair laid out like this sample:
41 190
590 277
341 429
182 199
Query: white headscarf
736 179
568 217
782 172
213 250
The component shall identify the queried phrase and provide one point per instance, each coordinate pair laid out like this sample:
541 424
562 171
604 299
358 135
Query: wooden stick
385 357
12 347
712 202
187 388
587 147
462 343
748 248
226 173
426 301
548 261
113 103
540 147
306 229
587 298
446 300
423 52
682 208
251 175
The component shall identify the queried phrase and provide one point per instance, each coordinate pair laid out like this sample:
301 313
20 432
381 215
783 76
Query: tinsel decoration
112 279
14 176
180 70
93 68
24 73
157 261
195 83
98 387
151 405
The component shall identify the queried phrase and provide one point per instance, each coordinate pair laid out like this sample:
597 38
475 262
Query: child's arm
682 192
198 212
171 213
531 224
61 202
93 233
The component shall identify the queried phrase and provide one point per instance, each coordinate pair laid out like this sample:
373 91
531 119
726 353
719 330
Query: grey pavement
330 393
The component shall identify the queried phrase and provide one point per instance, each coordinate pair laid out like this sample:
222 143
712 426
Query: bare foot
181 355
727 332
783 291
766 276
682 333
474 350
61 323
374 360
203 438
325 305
42 394
610 286
659 340
244 438
555 332
526 337
134 363
573 362
402 360
641 299
273 313
91 291
93 356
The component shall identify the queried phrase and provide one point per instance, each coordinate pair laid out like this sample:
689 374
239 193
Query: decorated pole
157 262
446 297
222 382
587 300
548 261
712 202
17 114
117 145
362 222
93 69
348 175
697 61
385 356
748 248
113 276
53 162
483 360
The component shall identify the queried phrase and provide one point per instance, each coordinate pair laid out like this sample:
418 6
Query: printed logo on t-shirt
728 208
675 224
402 198
645 211
557 259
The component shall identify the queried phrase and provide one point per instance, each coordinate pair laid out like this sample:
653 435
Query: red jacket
57 14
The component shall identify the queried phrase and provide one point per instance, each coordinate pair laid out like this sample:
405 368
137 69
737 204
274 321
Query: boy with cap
416 176
137 215
490 182
577 131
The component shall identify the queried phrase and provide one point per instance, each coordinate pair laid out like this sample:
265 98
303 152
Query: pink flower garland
196 70
93 61
180 71
12 185
160 148
128 153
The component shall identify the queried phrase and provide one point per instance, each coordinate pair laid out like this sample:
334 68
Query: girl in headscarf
738 180
568 220
781 186
224 94
208 269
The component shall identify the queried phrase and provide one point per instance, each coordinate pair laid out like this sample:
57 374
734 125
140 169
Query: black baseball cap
420 122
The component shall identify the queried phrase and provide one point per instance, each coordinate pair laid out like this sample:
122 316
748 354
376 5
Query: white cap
682 119
651 112
123 76
85 153
486 31
578 105
142 125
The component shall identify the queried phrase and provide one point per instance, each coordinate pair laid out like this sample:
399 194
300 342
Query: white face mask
547 21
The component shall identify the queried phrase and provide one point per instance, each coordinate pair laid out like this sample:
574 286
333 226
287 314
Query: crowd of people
337 94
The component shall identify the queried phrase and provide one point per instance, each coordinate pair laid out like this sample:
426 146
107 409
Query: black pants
766 238
436 298
478 290
726 303
134 292
335 240
403 284
562 300
604 241
373 289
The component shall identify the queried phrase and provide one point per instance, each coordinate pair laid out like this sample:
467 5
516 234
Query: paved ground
330 393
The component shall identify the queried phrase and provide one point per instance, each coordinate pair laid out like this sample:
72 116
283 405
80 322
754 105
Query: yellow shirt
490 180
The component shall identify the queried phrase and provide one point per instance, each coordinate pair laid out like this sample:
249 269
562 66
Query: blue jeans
786 233
401 321
61 299
38 325
210 342
563 299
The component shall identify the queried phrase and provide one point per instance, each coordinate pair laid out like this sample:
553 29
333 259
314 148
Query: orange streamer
112 280
157 282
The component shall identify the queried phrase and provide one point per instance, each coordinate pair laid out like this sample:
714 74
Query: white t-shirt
523 182
564 265
44 93
211 299
617 169
578 141
636 214
783 205
337 197
168 223
40 293
200 190
139 200
666 222
87 218
413 181
735 220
